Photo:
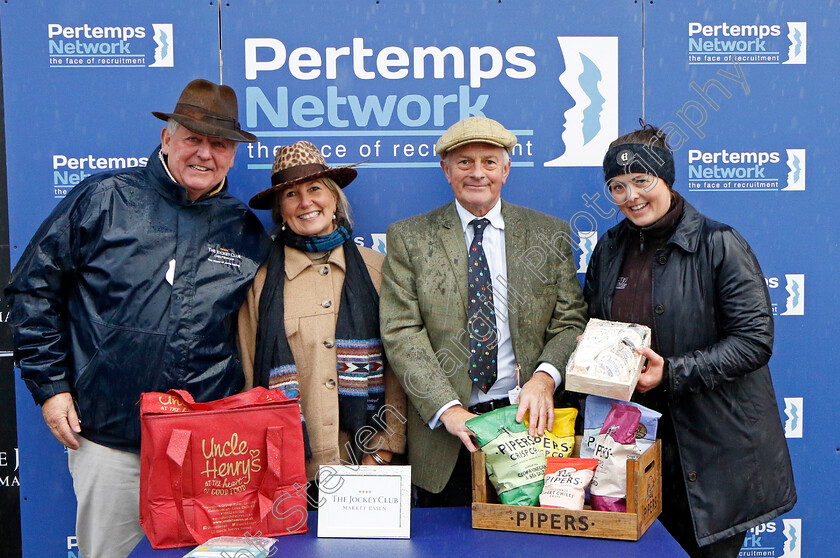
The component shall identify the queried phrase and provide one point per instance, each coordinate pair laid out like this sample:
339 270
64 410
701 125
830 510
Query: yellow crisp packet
560 440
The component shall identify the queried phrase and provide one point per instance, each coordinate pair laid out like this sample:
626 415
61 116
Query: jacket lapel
452 237
515 245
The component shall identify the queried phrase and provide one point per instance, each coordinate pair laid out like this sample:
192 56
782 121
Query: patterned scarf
360 358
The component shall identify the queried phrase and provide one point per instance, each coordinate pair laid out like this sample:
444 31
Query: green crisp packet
515 460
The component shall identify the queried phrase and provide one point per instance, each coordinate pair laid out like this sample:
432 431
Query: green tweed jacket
423 316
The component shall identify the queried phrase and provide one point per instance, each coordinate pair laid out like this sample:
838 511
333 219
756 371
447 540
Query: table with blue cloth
448 532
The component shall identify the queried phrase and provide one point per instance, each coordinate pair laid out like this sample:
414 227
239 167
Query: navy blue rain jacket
93 311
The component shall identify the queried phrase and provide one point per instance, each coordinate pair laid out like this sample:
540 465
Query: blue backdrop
746 92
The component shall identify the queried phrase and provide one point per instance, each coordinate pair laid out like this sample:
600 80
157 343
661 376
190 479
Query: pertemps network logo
793 535
378 242
776 538
794 304
724 43
591 78
795 287
798 36
110 46
796 175
727 170
793 412
164 51
586 244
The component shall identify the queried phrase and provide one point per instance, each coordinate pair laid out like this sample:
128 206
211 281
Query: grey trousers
107 486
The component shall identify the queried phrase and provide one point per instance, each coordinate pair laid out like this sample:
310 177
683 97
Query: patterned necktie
482 317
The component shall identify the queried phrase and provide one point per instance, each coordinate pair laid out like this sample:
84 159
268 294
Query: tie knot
479 225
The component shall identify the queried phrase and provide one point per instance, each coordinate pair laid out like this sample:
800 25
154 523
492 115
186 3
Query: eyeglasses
620 187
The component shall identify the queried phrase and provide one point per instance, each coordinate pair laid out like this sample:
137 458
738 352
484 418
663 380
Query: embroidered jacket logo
224 256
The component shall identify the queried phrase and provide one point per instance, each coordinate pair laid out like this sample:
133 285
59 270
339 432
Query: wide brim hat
475 129
296 163
208 109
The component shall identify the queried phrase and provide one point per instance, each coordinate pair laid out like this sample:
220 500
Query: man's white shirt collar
494 216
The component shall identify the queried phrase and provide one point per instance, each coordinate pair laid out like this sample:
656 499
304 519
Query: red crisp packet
566 479
615 443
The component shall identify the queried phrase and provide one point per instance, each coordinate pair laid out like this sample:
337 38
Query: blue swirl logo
796 167
798 37
793 412
792 531
586 244
378 242
164 51
588 80
795 287
591 80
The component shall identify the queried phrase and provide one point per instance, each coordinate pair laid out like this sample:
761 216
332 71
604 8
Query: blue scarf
316 243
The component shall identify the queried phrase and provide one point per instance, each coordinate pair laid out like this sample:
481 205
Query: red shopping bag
226 467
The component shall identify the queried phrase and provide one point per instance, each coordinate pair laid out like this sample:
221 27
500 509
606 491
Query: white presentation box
605 361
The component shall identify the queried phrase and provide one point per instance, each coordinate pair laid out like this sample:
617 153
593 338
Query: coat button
662 260
324 270
692 476
329 343
330 384
326 303
659 309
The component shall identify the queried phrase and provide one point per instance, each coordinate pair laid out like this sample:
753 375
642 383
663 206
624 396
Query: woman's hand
384 455
653 371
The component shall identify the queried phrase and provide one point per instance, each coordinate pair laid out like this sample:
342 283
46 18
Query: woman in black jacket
697 284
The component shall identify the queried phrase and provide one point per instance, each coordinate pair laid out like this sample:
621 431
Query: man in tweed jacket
538 306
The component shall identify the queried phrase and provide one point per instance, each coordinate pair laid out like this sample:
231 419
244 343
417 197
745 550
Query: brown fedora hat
296 163
208 109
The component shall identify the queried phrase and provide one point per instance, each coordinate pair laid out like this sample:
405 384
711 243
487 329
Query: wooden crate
644 504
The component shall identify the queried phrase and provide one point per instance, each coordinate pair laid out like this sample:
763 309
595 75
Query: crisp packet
515 460
560 440
595 413
566 480
614 445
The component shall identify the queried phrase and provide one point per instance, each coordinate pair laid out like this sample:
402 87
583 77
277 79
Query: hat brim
342 176
207 129
474 140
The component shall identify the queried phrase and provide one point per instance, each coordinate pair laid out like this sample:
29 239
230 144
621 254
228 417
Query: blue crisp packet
595 413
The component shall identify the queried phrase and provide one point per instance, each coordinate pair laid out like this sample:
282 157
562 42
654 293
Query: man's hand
60 416
454 419
537 396
653 371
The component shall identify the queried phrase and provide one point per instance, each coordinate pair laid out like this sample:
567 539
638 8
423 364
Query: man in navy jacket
130 286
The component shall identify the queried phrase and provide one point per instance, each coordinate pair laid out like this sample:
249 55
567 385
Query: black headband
639 157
